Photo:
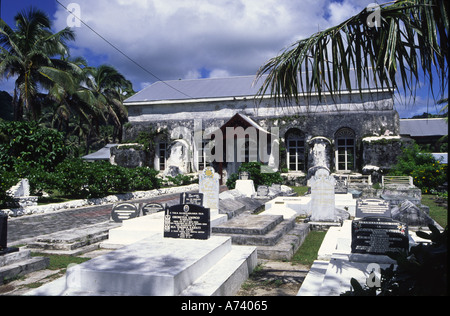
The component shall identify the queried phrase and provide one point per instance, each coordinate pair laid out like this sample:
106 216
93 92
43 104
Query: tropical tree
31 53
393 45
109 88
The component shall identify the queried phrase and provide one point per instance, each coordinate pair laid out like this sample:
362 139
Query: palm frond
411 42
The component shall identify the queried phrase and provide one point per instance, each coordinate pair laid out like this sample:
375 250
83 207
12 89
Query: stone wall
382 152
129 156
371 114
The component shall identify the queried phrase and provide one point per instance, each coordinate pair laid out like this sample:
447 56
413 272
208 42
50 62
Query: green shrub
27 145
427 173
7 180
258 177
81 179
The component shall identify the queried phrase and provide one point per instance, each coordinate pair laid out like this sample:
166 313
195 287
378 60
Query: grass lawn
437 212
307 252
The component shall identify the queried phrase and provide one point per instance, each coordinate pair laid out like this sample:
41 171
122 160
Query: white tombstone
209 186
322 197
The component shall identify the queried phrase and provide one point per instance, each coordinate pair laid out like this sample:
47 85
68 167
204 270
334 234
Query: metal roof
102 154
197 89
214 88
423 127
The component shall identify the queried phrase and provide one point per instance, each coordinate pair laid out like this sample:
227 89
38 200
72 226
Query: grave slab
160 266
245 187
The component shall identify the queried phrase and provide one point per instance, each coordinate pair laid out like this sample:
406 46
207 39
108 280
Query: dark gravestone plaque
340 187
124 211
263 190
244 175
4 236
372 207
191 198
187 221
379 235
151 208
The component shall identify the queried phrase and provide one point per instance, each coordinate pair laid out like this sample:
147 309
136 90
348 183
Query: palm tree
109 88
29 52
409 41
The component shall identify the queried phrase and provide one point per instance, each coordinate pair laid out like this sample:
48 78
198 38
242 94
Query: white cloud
177 38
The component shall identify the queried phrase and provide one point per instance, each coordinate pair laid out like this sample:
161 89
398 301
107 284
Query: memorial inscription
151 208
124 211
209 186
379 235
187 221
372 207
191 198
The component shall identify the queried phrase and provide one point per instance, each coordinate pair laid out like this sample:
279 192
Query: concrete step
22 265
287 245
255 230
226 277
73 241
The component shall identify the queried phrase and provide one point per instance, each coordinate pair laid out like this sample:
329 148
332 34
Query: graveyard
207 242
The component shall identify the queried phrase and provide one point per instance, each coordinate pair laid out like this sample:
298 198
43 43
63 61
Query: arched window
345 149
295 150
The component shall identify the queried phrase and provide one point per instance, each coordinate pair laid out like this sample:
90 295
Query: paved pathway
22 229
25 227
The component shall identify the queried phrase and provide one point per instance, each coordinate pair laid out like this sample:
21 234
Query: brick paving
30 226
22 229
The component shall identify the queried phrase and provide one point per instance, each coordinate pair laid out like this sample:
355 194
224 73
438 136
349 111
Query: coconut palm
30 52
408 42
109 88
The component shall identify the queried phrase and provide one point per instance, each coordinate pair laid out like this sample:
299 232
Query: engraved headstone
262 191
276 187
191 198
379 235
209 186
124 211
322 197
372 207
244 175
187 221
151 208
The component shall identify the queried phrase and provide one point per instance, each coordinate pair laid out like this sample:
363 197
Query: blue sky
179 39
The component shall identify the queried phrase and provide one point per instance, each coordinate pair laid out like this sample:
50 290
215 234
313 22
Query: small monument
209 186
245 184
322 197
